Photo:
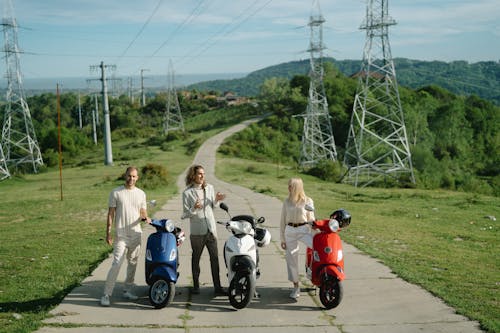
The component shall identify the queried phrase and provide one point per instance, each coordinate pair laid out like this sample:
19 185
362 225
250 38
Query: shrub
50 157
153 176
327 170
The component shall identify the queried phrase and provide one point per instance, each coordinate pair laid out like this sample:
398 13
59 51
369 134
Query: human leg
133 251
211 243
197 244
292 259
305 236
118 254
292 254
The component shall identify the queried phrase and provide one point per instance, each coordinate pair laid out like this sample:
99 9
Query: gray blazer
202 220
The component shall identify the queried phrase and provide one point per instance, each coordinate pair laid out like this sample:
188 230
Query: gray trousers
198 243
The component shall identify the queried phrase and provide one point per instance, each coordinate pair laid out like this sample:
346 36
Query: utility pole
96 110
377 144
19 143
143 93
317 140
130 90
173 117
79 111
108 153
94 129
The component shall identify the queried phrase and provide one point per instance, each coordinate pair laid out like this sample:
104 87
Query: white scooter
241 256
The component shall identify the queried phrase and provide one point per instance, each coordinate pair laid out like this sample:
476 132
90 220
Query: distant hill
459 77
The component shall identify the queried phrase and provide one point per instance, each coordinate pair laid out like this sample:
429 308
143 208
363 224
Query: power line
232 30
189 18
141 30
219 32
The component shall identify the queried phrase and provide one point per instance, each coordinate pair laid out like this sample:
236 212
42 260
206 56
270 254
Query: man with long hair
198 201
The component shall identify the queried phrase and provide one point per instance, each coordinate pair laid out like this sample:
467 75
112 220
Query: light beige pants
292 237
129 247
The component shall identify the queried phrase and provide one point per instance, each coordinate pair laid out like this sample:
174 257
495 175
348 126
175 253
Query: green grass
437 239
440 240
49 246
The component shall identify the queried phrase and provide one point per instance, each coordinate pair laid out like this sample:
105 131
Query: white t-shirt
128 204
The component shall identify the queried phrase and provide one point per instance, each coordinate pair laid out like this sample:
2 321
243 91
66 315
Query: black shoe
220 291
195 290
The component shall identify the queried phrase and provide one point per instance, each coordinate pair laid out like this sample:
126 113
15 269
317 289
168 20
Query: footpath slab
375 300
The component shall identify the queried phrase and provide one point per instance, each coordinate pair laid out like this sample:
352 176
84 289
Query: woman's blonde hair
296 192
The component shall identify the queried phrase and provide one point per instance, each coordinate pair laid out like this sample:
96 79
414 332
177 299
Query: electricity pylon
4 170
317 139
19 142
377 144
173 117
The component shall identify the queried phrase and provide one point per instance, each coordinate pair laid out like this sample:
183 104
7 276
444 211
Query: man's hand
220 196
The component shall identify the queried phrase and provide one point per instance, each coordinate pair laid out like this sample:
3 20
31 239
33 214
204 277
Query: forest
459 77
454 139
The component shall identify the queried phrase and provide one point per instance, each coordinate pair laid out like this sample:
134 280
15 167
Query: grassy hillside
458 77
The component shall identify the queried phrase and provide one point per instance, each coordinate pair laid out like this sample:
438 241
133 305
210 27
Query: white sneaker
105 300
128 295
295 293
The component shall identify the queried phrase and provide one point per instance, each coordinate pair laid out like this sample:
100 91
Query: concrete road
375 300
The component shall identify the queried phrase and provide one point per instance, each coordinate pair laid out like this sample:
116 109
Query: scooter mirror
309 208
223 206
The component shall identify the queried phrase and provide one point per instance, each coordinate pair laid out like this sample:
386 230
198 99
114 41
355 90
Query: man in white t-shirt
127 208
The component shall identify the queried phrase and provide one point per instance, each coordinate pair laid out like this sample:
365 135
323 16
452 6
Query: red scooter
325 261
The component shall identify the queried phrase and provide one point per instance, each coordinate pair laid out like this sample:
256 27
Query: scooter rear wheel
331 292
241 290
161 293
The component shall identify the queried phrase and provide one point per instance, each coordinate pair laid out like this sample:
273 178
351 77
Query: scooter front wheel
161 293
331 292
241 289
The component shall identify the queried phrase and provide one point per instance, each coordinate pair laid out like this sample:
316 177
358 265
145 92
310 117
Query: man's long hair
191 175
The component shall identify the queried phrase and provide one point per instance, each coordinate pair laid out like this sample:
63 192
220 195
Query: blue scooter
162 261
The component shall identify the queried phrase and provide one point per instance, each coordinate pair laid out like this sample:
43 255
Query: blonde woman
293 228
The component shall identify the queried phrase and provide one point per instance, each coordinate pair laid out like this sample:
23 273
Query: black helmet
342 216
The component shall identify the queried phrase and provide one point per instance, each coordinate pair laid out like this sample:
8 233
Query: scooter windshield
164 224
241 227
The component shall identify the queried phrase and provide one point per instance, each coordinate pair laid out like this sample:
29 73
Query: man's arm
144 215
188 208
109 224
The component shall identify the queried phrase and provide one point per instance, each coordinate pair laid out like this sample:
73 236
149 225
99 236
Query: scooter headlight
333 225
173 255
169 225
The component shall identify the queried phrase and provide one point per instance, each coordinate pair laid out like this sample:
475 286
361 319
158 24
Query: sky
65 38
